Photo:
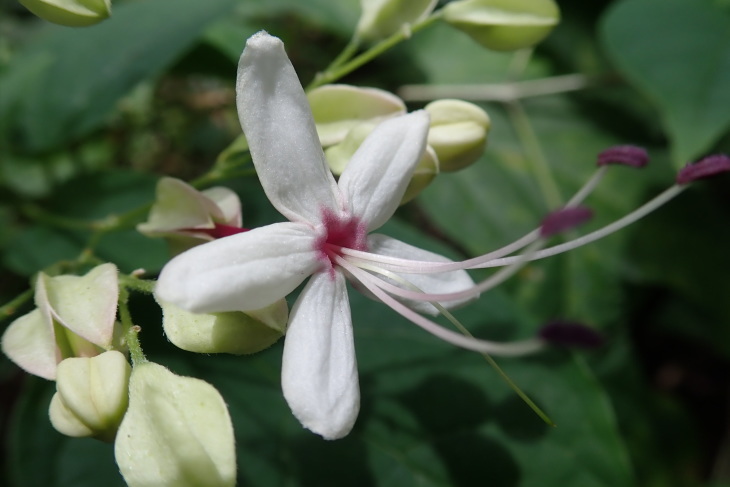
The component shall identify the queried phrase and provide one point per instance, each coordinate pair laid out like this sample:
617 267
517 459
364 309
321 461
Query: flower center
340 231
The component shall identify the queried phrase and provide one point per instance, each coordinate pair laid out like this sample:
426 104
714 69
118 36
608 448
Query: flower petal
227 205
319 370
85 305
278 124
29 342
242 272
177 205
438 283
376 178
177 432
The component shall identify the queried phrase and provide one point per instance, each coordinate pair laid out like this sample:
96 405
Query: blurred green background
91 118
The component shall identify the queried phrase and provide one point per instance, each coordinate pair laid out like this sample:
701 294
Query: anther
564 219
571 335
704 168
628 155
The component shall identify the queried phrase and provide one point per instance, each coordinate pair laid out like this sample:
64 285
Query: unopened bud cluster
345 115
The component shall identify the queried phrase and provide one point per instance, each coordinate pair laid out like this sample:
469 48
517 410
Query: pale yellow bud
91 395
504 25
176 433
337 109
73 13
426 171
233 332
458 132
382 18
338 156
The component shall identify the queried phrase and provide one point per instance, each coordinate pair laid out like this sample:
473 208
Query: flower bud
337 109
383 18
91 395
504 25
75 317
339 155
233 332
73 13
186 217
177 432
426 170
458 132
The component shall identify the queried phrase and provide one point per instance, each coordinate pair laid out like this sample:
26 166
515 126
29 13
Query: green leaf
78 75
87 199
678 53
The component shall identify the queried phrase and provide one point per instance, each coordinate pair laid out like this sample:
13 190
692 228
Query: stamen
704 168
475 344
426 267
491 282
637 214
564 219
629 155
446 314
570 334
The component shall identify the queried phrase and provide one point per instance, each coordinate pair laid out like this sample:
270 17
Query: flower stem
346 54
8 309
131 330
330 75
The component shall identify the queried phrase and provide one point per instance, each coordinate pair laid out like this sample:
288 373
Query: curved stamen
491 282
371 284
427 267
637 214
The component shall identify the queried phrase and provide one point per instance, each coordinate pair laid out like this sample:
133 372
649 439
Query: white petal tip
263 40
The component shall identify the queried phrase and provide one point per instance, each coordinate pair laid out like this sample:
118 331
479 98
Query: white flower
254 269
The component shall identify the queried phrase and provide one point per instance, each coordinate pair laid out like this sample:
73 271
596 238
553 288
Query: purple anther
571 335
704 168
564 219
628 155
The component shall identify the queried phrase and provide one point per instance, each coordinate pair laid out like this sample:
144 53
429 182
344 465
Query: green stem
499 369
535 155
331 75
346 54
146 286
131 330
9 309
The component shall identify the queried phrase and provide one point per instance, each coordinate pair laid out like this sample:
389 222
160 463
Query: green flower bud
91 395
337 109
176 433
426 171
339 155
383 18
75 317
458 132
186 217
233 332
504 25
73 13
